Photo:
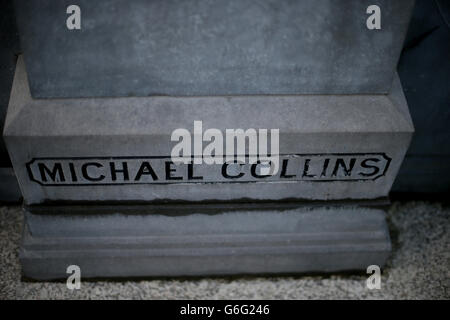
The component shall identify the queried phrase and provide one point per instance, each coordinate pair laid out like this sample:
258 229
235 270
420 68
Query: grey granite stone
229 242
204 47
43 134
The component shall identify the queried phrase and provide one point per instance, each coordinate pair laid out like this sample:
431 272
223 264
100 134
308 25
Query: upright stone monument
96 113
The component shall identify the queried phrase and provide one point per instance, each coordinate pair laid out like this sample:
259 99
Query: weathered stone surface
239 241
204 47
371 131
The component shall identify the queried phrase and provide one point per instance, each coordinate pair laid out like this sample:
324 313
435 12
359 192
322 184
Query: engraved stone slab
210 47
91 171
118 149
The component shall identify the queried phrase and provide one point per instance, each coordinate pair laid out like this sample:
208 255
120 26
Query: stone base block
205 240
331 147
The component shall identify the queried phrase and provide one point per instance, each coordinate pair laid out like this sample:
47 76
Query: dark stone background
424 70
9 49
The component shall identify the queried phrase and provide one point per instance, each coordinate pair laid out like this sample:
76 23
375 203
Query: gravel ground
419 268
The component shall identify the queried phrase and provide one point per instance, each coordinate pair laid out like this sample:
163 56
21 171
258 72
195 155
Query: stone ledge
320 239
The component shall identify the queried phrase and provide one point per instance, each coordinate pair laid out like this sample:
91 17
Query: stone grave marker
94 153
